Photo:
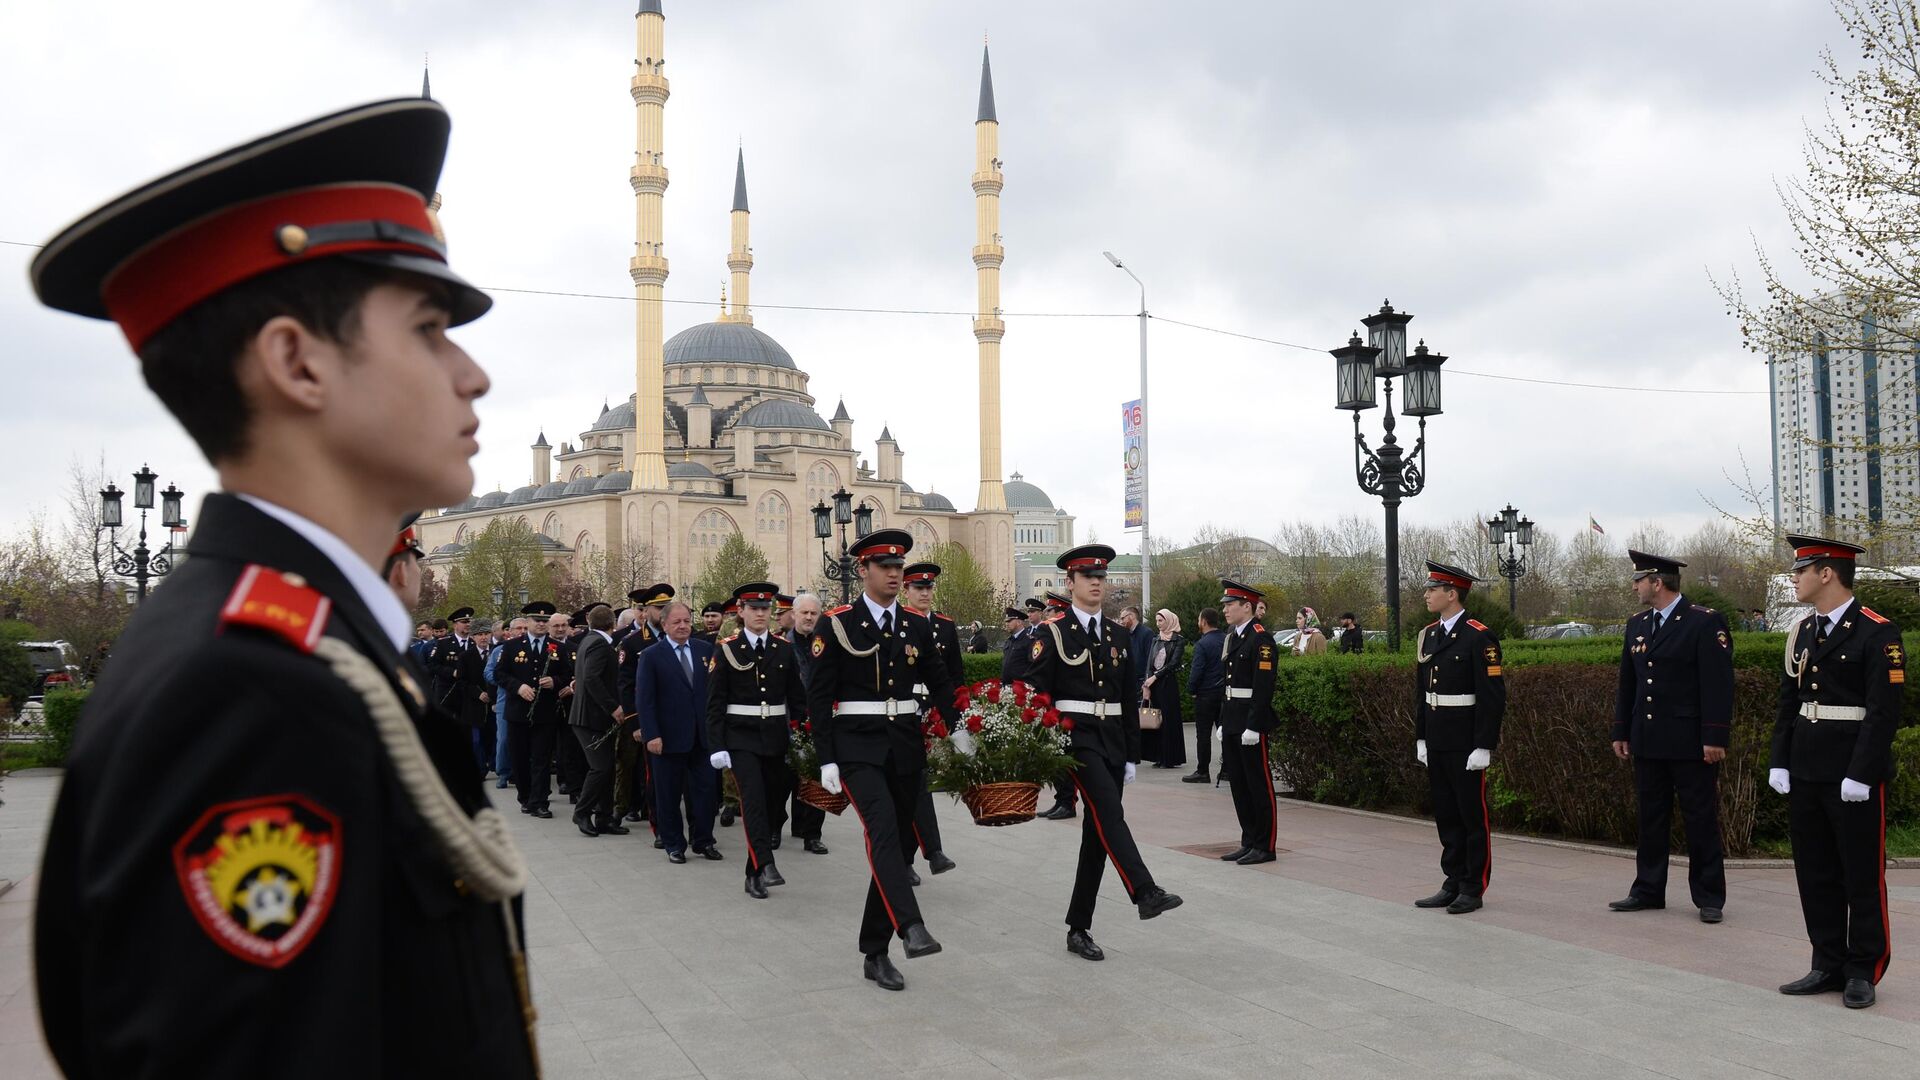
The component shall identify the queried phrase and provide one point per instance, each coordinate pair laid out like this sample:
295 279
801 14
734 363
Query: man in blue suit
670 698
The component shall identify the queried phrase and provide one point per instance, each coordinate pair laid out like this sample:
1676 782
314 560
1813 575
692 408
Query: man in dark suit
1013 652
753 692
1246 721
596 681
670 698
1459 699
458 672
1840 702
1671 718
1206 681
532 671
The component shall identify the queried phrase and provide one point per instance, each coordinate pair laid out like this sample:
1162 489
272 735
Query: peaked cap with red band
922 573
1056 602
1233 590
351 185
1089 559
757 594
1808 550
408 540
888 547
1439 573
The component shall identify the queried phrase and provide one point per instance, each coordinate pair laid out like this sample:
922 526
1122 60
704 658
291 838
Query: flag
1596 525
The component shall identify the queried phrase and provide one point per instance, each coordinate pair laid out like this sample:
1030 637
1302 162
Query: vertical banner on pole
1133 426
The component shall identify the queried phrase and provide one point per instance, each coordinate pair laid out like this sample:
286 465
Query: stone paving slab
1315 965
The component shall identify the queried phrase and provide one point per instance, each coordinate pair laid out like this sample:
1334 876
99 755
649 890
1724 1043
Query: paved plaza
1316 965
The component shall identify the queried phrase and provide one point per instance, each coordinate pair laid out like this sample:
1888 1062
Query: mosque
722 433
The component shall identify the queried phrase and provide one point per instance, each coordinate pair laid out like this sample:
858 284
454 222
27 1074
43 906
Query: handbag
1149 719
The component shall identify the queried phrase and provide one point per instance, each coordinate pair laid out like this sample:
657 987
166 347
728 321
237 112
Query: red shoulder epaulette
728 638
1055 617
943 615
841 610
1258 629
1874 615
281 604
1431 625
1476 624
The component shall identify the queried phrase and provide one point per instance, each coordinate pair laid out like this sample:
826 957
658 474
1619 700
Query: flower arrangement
1006 741
804 759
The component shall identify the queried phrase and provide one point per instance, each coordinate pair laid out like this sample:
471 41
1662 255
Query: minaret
433 204
988 328
649 264
740 259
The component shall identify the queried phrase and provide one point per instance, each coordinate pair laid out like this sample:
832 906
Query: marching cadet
312 856
1832 757
1459 697
1081 662
457 670
531 672
1013 653
1053 609
753 687
1246 720
918 590
867 727
1671 718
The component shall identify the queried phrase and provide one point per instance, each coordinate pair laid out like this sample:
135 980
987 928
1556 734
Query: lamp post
1391 472
825 519
142 564
1509 528
500 600
1146 419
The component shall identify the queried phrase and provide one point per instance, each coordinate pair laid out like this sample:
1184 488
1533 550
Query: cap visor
465 302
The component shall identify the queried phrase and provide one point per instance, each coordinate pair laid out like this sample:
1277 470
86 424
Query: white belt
1817 712
1090 708
761 711
1444 700
920 688
889 707
1239 691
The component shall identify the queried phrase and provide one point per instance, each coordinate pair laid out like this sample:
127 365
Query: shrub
62 717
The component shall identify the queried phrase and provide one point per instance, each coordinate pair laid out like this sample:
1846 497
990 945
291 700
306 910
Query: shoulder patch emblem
1258 629
711 661
819 645
282 605
1874 615
1896 663
1721 637
1477 625
1038 648
260 875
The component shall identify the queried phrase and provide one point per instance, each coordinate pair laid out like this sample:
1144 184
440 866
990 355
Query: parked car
55 667
1561 630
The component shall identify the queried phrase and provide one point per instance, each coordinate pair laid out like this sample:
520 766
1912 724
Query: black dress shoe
1080 943
1155 900
1815 982
919 942
613 827
755 887
658 843
1255 858
1058 812
774 843
1636 903
813 847
1198 776
939 863
1236 854
913 878
676 856
726 817
1711 915
1439 899
1859 994
711 853
525 809
586 827
632 815
1463 904
541 812
771 877
879 969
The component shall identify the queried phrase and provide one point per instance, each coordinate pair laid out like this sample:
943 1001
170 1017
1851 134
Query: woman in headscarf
1309 640
1161 690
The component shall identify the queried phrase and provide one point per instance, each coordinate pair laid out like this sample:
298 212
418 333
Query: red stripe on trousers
753 860
1886 925
871 869
919 843
1486 827
1102 834
1273 800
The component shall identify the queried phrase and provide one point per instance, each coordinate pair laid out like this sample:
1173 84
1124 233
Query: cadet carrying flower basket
1007 741
804 760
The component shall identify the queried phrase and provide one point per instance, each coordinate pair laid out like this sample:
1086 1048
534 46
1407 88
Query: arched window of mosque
460 535
710 529
551 524
584 547
753 377
730 375
879 512
923 534
577 473
822 481
770 516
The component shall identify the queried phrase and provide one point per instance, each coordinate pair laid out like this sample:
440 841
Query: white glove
1249 737
1420 751
720 759
830 778
1129 775
1219 732
1479 759
1777 780
1854 791
962 741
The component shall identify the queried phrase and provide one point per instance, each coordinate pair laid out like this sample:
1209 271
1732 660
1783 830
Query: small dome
726 343
520 495
489 500
906 487
935 501
689 470
1024 496
462 505
614 481
618 418
551 491
582 486
782 413
449 549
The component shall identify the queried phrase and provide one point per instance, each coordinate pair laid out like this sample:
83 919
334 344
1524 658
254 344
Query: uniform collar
878 611
375 594
1447 625
754 642
1833 617
1667 612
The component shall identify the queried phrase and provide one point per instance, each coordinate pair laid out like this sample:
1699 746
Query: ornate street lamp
1391 472
840 568
1508 528
142 564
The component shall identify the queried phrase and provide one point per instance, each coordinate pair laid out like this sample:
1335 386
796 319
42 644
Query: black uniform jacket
234 882
1065 665
1013 656
1861 664
1248 662
459 678
947 637
523 664
738 676
631 642
853 662
1466 661
1676 686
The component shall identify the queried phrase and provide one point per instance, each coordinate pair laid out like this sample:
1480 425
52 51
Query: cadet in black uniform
458 672
1080 661
312 856
531 672
1459 697
631 791
1832 757
1013 652
1055 607
867 727
1246 720
753 688
918 590
1671 718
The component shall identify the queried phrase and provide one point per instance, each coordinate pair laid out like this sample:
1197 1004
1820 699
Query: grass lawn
1903 842
26 755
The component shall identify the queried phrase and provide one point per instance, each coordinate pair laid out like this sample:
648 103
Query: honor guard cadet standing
1840 702
753 688
1013 652
531 672
1671 718
867 727
313 882
1080 661
1246 719
1459 697
918 590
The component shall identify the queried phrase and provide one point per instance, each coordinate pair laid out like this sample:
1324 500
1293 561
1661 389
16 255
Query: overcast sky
1546 186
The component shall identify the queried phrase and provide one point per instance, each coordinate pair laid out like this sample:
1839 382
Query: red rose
973 724
1042 700
1028 714
1066 723
962 699
940 730
993 695
1019 693
1050 718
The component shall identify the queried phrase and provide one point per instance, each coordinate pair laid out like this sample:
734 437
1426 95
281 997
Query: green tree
965 592
505 556
736 563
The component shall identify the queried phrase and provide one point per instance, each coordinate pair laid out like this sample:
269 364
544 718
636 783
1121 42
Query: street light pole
1508 527
1146 420
825 519
142 564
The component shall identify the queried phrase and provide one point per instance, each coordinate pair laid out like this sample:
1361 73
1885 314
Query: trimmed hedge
61 715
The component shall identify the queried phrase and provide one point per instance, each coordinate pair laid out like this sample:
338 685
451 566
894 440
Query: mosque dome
551 491
935 501
723 343
614 481
520 495
582 486
1024 496
464 504
618 418
782 413
489 500
688 470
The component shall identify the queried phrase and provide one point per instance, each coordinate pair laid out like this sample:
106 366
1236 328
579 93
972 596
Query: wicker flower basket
820 798
1002 804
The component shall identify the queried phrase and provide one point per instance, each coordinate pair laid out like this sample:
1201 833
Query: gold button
1649 716
1649 682
1816 667
1816 686
291 238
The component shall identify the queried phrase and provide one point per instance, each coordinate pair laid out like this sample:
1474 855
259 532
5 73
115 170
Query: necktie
1659 622
686 661
1093 629
886 622
1819 629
